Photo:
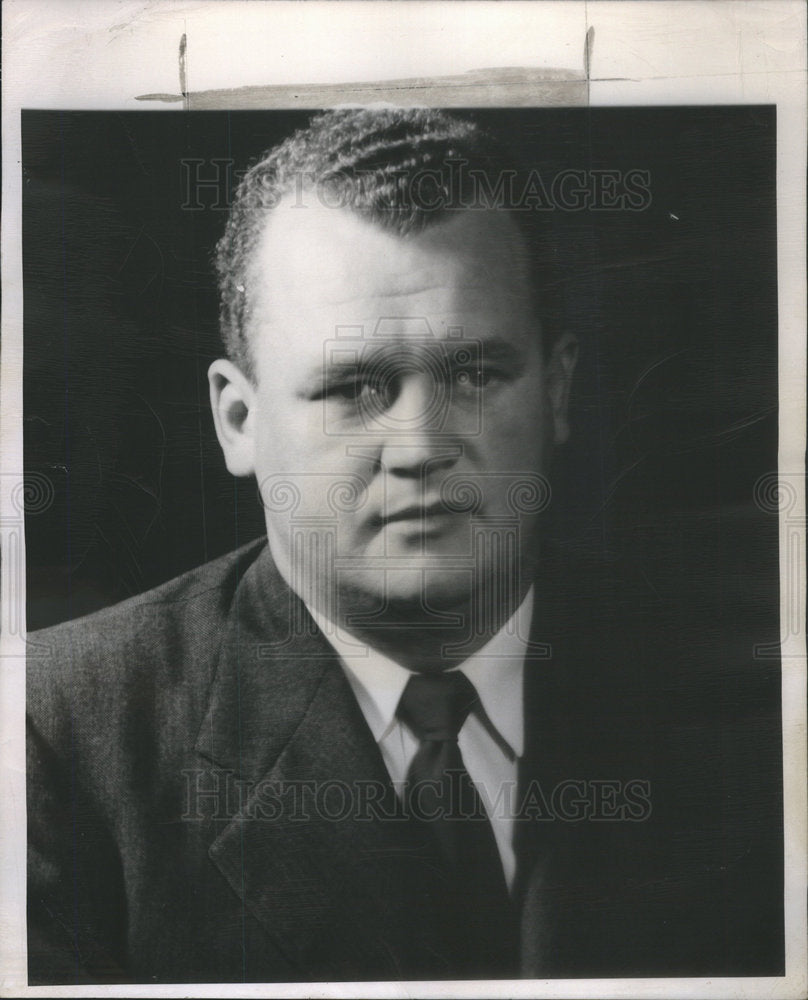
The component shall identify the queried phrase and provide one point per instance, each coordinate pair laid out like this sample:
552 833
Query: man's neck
429 631
421 640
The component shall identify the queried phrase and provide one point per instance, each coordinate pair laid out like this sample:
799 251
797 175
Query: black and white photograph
405 592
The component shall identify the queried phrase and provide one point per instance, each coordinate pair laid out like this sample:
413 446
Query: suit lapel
318 848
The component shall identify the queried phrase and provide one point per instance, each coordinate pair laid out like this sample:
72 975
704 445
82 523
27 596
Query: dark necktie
442 799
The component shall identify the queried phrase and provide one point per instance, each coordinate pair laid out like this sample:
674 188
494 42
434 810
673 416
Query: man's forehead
302 238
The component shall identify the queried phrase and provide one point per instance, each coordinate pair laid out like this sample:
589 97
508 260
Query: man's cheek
514 449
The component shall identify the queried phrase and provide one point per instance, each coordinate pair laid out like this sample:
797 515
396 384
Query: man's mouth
416 514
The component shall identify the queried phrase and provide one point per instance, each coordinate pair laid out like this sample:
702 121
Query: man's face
400 400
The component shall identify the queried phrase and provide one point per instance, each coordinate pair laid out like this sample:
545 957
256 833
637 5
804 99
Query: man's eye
352 391
477 377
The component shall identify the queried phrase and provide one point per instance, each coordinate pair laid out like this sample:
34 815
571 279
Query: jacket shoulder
170 632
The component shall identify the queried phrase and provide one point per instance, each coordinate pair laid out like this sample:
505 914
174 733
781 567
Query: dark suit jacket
192 750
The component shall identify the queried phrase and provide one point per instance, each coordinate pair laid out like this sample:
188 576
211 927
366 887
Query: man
387 742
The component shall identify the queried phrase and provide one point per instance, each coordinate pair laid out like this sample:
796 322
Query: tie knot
435 706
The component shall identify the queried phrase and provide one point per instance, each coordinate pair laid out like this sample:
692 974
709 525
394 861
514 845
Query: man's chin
414 594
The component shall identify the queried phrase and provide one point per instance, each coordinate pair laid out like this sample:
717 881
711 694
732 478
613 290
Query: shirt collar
496 671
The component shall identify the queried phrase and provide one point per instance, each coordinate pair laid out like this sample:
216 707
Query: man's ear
232 399
558 374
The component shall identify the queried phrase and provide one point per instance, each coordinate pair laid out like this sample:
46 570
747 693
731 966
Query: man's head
387 379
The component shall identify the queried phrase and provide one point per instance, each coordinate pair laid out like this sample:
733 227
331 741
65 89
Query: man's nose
417 437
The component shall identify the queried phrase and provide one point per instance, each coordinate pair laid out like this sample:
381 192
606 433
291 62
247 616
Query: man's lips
415 512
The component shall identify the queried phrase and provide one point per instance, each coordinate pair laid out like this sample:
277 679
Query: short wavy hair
402 169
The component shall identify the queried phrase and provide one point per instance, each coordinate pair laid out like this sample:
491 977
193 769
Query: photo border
167 55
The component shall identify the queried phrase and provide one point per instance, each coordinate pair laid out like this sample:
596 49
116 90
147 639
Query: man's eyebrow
501 350
340 366
353 362
343 365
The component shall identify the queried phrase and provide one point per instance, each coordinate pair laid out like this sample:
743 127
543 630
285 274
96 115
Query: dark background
674 410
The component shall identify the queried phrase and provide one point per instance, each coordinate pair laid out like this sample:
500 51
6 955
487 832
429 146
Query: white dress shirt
490 746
